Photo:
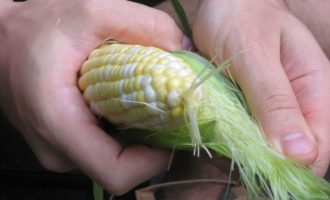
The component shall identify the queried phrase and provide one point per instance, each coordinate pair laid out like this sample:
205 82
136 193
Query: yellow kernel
162 95
133 58
137 83
82 82
131 84
156 71
155 53
140 96
185 85
126 86
147 68
169 72
159 81
94 76
163 60
146 59
173 83
139 69
187 81
124 49
177 112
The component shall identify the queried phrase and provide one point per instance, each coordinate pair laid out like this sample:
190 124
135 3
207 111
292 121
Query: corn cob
185 104
136 86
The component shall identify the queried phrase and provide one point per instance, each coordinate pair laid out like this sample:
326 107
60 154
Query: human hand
43 44
282 71
315 15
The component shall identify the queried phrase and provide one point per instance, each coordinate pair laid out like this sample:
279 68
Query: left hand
43 44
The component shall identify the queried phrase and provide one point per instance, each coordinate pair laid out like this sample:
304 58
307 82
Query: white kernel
131 69
125 59
132 96
88 92
120 87
171 57
174 64
125 71
125 102
134 50
173 98
95 108
156 66
112 50
148 51
111 58
149 93
183 73
145 81
162 55
107 72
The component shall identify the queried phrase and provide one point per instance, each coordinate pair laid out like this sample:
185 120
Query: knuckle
277 103
117 188
118 182
164 19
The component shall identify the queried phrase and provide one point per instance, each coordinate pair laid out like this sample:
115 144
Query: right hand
283 72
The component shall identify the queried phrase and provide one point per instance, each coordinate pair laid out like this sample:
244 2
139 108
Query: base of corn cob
208 112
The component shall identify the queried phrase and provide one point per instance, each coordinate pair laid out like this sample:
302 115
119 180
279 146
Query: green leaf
182 17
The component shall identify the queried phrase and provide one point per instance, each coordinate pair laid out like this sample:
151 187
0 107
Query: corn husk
221 124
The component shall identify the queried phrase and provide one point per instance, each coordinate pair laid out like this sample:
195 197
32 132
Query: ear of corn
136 86
179 101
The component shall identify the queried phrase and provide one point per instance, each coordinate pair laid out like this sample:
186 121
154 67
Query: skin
43 45
278 58
281 69
315 15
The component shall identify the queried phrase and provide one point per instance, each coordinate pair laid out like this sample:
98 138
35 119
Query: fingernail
297 143
187 43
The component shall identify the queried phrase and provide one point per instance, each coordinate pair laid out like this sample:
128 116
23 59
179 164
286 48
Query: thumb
135 23
275 106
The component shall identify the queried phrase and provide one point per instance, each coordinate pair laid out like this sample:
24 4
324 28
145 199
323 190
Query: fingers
95 152
135 23
101 158
308 70
268 90
49 157
284 75
274 104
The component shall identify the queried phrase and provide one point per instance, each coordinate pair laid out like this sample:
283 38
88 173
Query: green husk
183 17
226 127
97 191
